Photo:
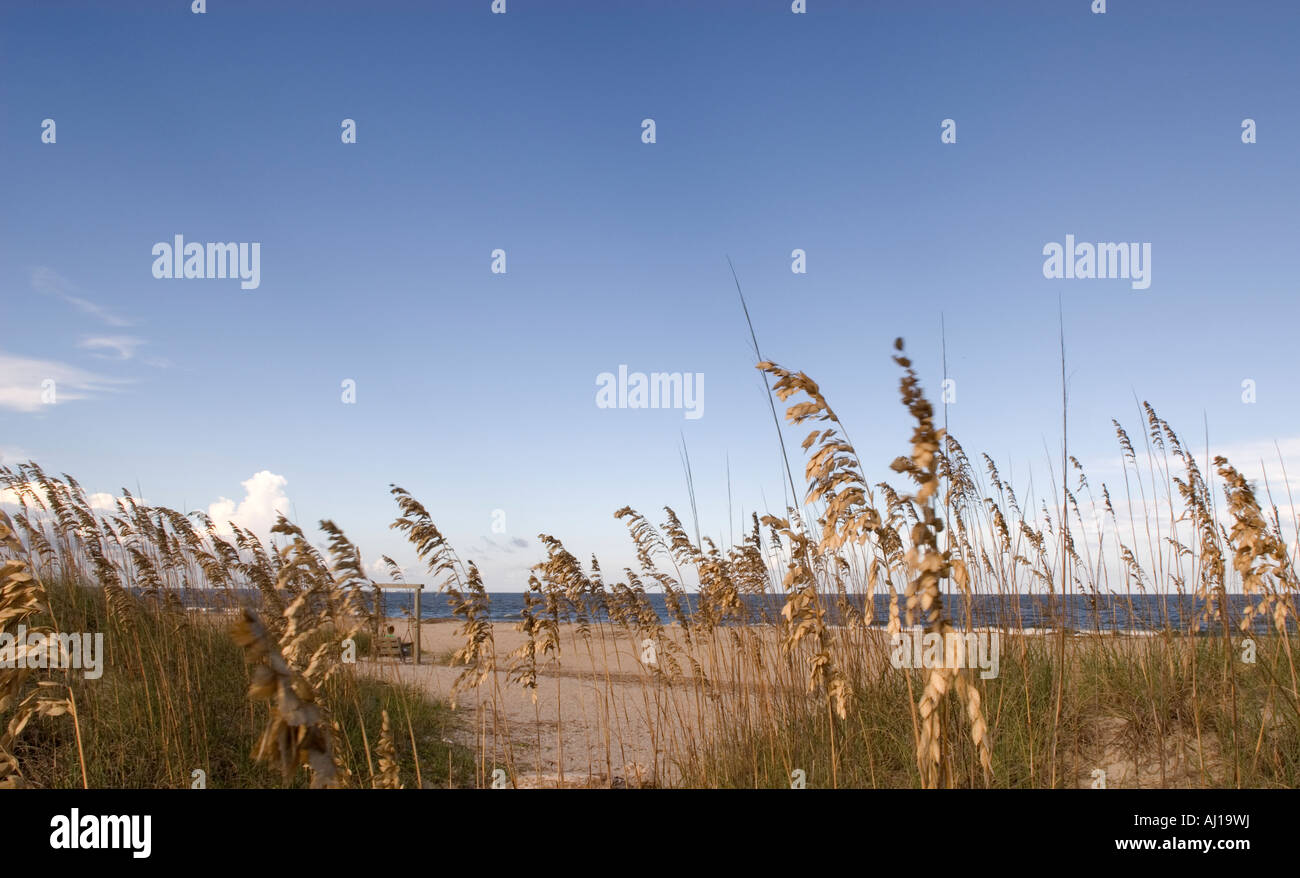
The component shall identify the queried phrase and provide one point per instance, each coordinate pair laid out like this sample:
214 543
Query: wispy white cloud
28 384
1262 462
1146 522
111 347
51 283
488 547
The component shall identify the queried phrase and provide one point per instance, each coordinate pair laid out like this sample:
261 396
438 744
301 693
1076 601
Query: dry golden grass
22 597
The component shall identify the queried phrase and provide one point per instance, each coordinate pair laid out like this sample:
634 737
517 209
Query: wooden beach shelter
418 588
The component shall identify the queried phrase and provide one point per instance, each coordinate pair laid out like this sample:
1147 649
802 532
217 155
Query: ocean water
1115 612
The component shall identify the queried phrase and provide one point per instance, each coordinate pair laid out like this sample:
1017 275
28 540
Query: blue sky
522 132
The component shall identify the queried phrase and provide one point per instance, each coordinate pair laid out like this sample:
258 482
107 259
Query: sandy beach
602 717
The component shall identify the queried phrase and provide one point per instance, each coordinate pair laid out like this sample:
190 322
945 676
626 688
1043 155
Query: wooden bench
392 646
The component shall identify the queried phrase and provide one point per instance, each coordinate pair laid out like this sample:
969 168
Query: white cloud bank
264 499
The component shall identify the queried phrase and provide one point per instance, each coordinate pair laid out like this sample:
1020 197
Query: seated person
404 646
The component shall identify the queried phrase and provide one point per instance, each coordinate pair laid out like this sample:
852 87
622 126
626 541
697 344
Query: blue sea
1113 612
